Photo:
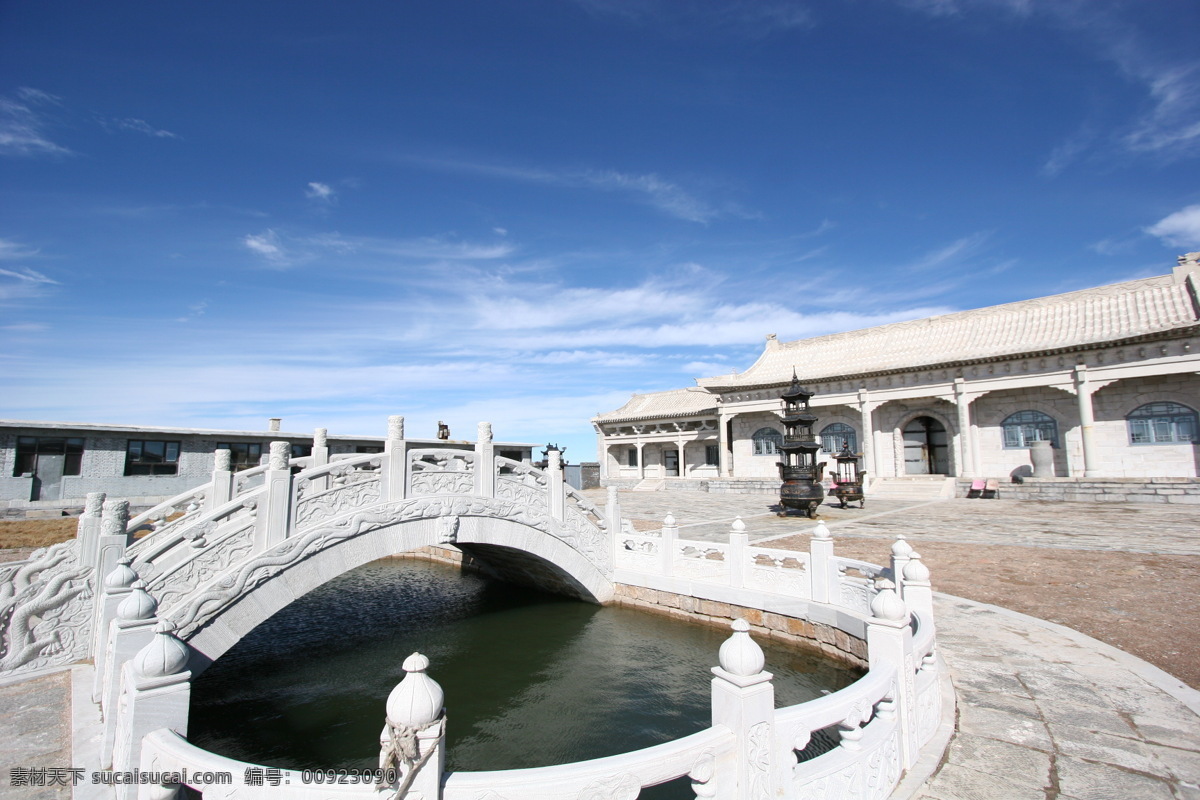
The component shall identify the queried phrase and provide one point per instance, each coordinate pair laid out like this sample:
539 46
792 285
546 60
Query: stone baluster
128 634
413 741
555 484
739 540
114 535
155 691
743 700
113 589
274 512
320 457
612 510
393 474
822 572
918 592
890 644
901 550
666 546
485 461
221 490
88 530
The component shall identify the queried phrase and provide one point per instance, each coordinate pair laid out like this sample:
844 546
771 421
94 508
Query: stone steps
912 487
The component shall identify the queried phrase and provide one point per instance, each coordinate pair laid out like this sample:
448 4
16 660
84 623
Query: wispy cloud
15 251
950 255
660 193
1181 229
139 126
284 250
320 192
24 124
269 247
23 282
750 19
1169 125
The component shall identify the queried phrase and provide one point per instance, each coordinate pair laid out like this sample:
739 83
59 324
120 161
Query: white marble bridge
185 581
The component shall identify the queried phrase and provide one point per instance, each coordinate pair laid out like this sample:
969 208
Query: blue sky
215 212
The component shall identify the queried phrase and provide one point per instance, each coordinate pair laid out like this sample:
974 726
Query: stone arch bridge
217 560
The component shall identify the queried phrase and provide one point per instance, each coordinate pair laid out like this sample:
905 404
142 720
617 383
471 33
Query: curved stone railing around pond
855 743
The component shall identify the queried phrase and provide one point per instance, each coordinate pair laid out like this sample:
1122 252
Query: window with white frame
835 434
767 441
1162 423
1024 428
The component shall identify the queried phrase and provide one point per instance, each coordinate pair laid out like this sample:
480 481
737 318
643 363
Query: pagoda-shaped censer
799 470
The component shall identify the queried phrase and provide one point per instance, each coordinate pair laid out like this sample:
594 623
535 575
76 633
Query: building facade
1110 377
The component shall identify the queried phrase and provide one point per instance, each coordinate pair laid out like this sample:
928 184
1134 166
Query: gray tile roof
675 403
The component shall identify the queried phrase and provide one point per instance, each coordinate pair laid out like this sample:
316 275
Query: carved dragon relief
620 787
45 610
192 613
335 501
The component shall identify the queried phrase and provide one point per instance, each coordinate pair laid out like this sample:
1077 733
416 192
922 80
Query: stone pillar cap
740 655
418 699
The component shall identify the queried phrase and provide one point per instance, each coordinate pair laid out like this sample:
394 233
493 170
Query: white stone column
111 590
890 644
724 446
822 573
88 531
485 461
555 486
641 460
272 522
739 540
1087 421
128 634
114 536
962 404
413 740
612 512
743 700
221 485
320 457
682 443
666 545
155 693
866 411
394 467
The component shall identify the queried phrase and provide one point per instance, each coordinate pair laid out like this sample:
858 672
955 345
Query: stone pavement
35 731
1129 527
1047 713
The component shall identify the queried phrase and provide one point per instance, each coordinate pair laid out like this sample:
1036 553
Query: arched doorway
926 449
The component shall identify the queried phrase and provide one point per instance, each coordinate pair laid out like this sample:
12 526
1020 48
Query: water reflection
531 679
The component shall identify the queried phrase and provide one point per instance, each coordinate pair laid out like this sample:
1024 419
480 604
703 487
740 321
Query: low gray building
55 464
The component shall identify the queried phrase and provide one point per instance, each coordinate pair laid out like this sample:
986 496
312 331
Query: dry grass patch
27 533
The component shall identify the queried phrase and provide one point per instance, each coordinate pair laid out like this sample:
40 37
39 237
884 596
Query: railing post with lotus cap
271 524
555 484
485 461
413 741
393 470
156 688
743 700
666 546
612 510
901 550
111 590
890 644
221 490
320 457
88 529
128 634
114 535
739 540
821 570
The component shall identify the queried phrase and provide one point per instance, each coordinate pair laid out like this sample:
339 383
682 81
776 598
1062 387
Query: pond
531 679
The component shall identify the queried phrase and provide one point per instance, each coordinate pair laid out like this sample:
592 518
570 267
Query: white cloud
951 254
662 194
23 282
268 245
12 251
321 192
141 126
1181 229
23 125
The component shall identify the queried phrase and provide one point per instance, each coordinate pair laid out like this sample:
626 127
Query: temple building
1110 377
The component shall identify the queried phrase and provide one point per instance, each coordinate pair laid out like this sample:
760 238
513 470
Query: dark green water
531 679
